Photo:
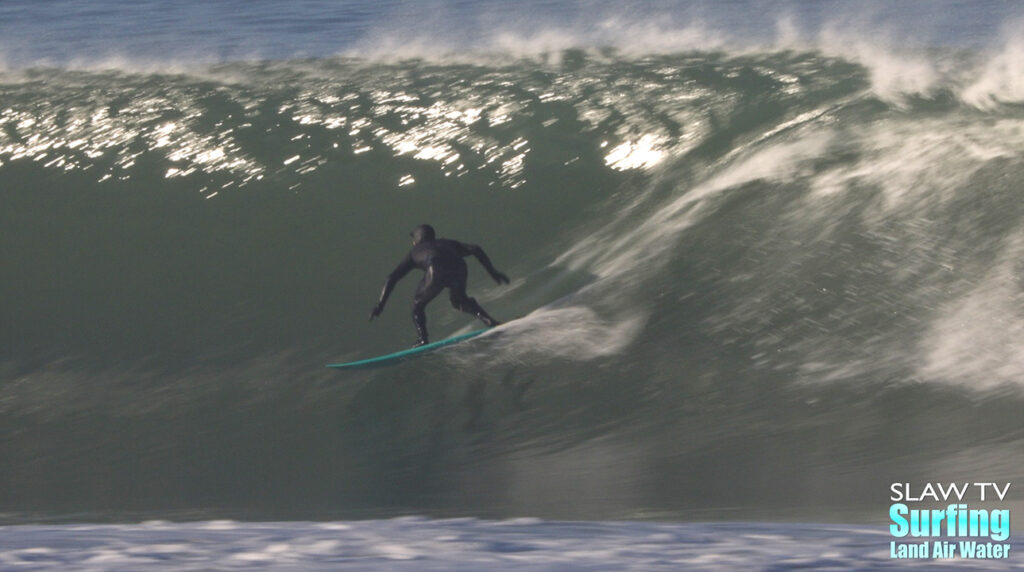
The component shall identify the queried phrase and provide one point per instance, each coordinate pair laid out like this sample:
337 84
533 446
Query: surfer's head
422 233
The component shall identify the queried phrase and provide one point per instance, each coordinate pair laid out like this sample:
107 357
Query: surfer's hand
376 311
500 278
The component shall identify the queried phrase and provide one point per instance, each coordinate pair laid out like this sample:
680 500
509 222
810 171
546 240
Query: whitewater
760 273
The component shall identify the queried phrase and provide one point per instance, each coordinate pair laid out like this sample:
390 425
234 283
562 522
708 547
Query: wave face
772 280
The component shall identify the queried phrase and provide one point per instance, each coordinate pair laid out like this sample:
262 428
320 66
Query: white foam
896 70
465 544
573 332
1001 79
975 341
920 163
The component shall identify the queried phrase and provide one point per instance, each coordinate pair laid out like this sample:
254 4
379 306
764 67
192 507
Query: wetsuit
442 261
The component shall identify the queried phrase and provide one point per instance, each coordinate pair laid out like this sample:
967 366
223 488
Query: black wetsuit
442 261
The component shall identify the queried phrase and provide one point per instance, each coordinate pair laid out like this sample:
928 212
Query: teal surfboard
405 354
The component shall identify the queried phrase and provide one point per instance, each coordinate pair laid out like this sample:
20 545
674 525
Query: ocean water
765 256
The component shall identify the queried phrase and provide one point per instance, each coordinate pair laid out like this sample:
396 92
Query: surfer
442 261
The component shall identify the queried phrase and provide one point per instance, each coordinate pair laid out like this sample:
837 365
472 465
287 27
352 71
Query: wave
741 274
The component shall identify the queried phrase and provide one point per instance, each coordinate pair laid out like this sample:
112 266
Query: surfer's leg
419 320
460 301
427 290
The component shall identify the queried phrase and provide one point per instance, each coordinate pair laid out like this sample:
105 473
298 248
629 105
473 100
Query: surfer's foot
420 343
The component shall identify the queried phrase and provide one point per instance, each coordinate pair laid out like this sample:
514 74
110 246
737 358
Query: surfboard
406 354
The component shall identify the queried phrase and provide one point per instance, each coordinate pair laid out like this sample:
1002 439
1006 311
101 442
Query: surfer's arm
397 274
476 251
